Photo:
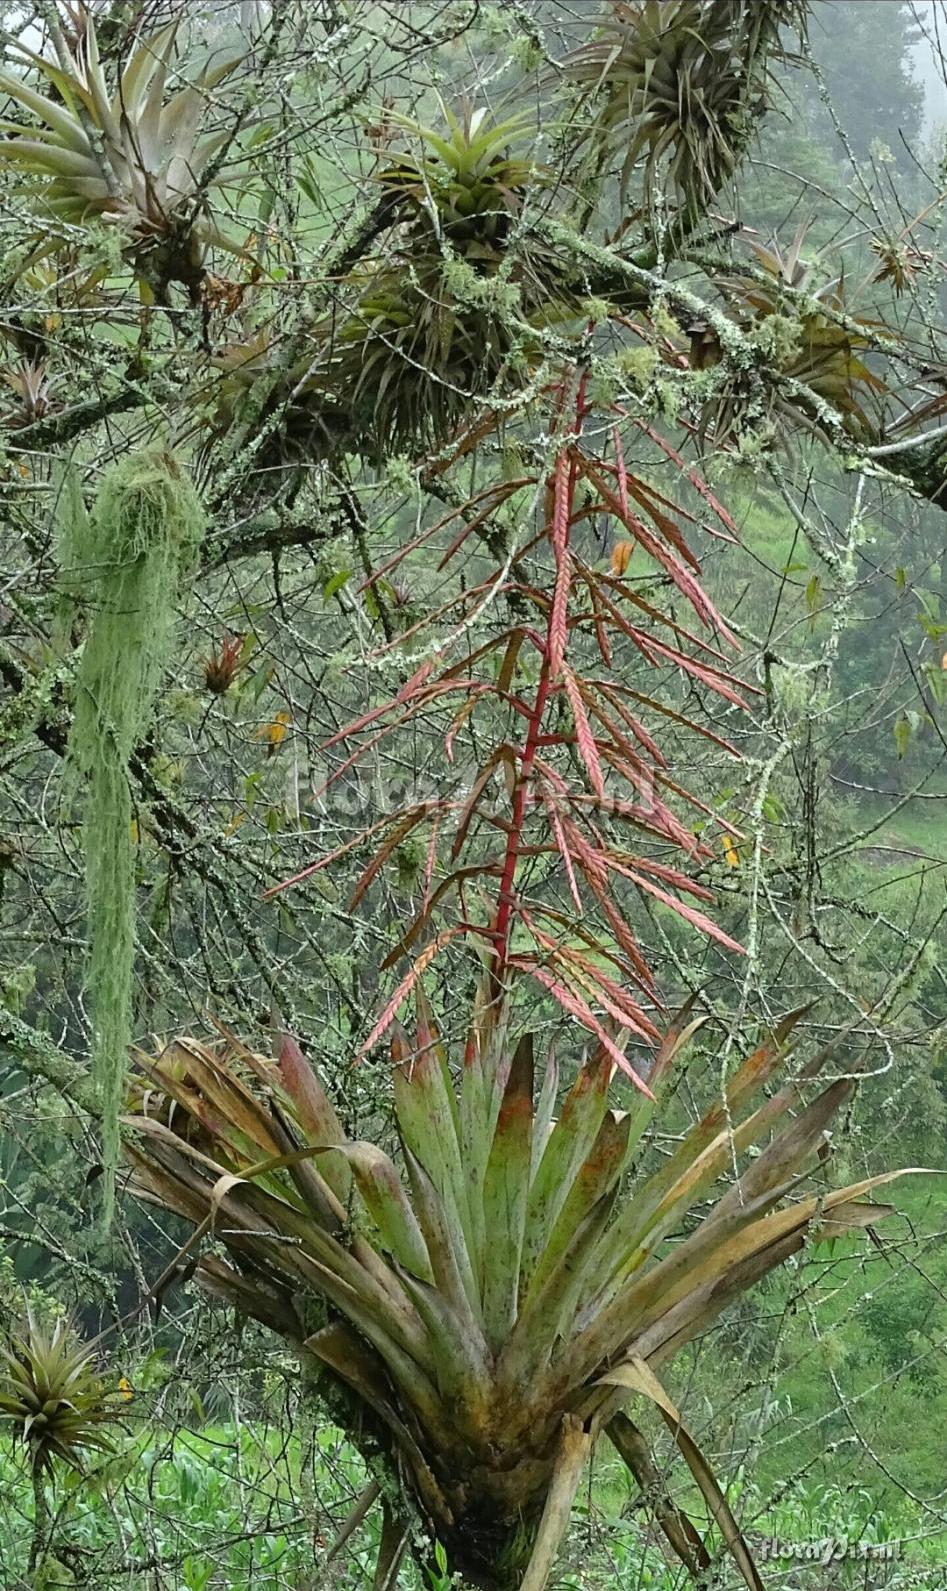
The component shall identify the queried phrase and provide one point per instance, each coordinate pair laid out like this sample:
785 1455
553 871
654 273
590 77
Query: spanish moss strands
124 566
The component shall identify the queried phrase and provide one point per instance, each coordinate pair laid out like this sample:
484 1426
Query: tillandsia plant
452 317
456 313
679 85
124 154
55 1404
487 1303
806 328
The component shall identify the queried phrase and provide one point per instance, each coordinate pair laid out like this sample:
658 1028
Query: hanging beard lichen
124 567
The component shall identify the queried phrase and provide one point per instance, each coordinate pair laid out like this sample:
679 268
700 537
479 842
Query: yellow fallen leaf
621 556
730 851
274 733
125 1388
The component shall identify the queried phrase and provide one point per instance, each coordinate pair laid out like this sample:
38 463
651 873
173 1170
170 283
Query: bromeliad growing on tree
487 1303
490 1300
123 154
57 1409
505 1286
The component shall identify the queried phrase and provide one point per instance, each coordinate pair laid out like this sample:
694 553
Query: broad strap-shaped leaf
314 1109
462 1360
316 1192
206 1090
597 1175
566 1149
60 121
50 159
543 1118
762 1184
789 1151
655 1313
427 1038
636 1376
445 1242
141 67
426 1111
259 1220
339 1349
484 1071
549 1310
675 1041
694 1301
651 1292
505 1194
704 1151
566 1273
249 1296
387 1203
680 1530
571 1454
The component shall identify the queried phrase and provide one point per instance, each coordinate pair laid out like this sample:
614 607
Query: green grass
238 1510
223 1508
919 826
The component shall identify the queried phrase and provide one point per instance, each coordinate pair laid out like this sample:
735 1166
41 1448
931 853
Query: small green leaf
258 682
336 582
900 578
902 736
937 680
308 187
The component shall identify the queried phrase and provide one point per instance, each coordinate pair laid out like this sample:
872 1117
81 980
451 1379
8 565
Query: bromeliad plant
51 1396
464 183
127 155
57 1408
677 85
488 1301
809 331
455 313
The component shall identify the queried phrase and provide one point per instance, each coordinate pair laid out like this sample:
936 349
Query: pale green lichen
468 287
401 474
123 567
778 337
639 364
664 322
